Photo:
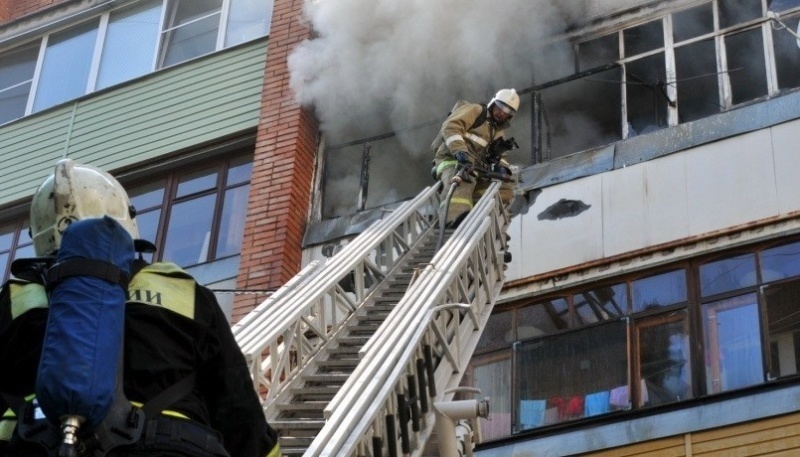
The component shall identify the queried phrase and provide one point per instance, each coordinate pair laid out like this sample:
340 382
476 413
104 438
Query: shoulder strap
481 118
168 396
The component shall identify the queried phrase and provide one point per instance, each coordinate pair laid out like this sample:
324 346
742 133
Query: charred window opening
698 83
734 12
692 23
598 52
583 113
746 66
643 38
787 56
646 94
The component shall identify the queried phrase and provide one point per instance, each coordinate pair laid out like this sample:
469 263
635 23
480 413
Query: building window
192 217
685 65
120 45
698 328
195 216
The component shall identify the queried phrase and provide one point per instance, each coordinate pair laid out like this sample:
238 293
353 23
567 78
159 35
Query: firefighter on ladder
184 337
471 140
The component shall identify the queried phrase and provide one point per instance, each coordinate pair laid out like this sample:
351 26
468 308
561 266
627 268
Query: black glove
462 158
502 170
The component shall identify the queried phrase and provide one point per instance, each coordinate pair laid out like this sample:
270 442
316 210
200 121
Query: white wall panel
786 151
552 244
666 199
514 246
624 222
731 182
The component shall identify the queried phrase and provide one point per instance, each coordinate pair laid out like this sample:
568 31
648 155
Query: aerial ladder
362 355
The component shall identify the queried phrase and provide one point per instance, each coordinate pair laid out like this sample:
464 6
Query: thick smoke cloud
382 65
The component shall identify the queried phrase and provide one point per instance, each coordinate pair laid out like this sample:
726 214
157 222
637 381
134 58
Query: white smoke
377 66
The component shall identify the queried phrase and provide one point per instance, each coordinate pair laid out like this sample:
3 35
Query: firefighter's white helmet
507 100
75 192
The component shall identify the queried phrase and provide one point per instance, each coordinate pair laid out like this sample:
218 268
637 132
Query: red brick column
280 188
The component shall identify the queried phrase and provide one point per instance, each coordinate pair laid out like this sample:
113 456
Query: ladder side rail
316 306
366 397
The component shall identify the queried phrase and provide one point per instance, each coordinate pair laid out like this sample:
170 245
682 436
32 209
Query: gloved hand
501 170
462 158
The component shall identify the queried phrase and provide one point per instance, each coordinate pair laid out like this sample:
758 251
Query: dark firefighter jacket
173 327
459 137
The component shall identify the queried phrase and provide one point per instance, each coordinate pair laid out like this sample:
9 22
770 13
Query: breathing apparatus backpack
78 383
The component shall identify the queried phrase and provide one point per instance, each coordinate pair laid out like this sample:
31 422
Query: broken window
697 80
583 113
643 38
746 66
663 367
693 22
647 99
735 12
598 52
787 54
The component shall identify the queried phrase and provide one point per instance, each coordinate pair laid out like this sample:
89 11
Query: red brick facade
15 9
283 167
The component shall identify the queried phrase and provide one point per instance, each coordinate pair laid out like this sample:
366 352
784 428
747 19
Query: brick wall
280 189
15 9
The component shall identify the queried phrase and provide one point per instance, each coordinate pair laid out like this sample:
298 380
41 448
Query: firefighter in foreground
185 388
470 145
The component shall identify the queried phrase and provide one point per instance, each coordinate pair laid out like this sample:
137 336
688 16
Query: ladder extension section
286 331
418 355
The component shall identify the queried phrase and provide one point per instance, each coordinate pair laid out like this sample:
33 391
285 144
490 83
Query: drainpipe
456 435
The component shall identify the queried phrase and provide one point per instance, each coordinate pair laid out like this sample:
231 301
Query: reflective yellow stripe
7 426
445 164
461 201
276 451
166 412
164 285
452 138
26 296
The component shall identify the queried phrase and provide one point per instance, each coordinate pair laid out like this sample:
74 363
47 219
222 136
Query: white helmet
507 100
75 192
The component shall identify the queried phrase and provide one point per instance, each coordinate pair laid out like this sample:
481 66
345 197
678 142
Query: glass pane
240 171
231 228
13 102
248 20
746 67
601 304
697 82
147 196
16 73
732 12
4 265
783 323
494 381
24 251
781 5
780 262
7 236
191 40
147 223
499 331
189 231
130 43
185 11
646 95
584 113
787 54
542 319
586 374
732 344
197 181
660 290
728 274
72 49
598 52
664 362
643 38
693 22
